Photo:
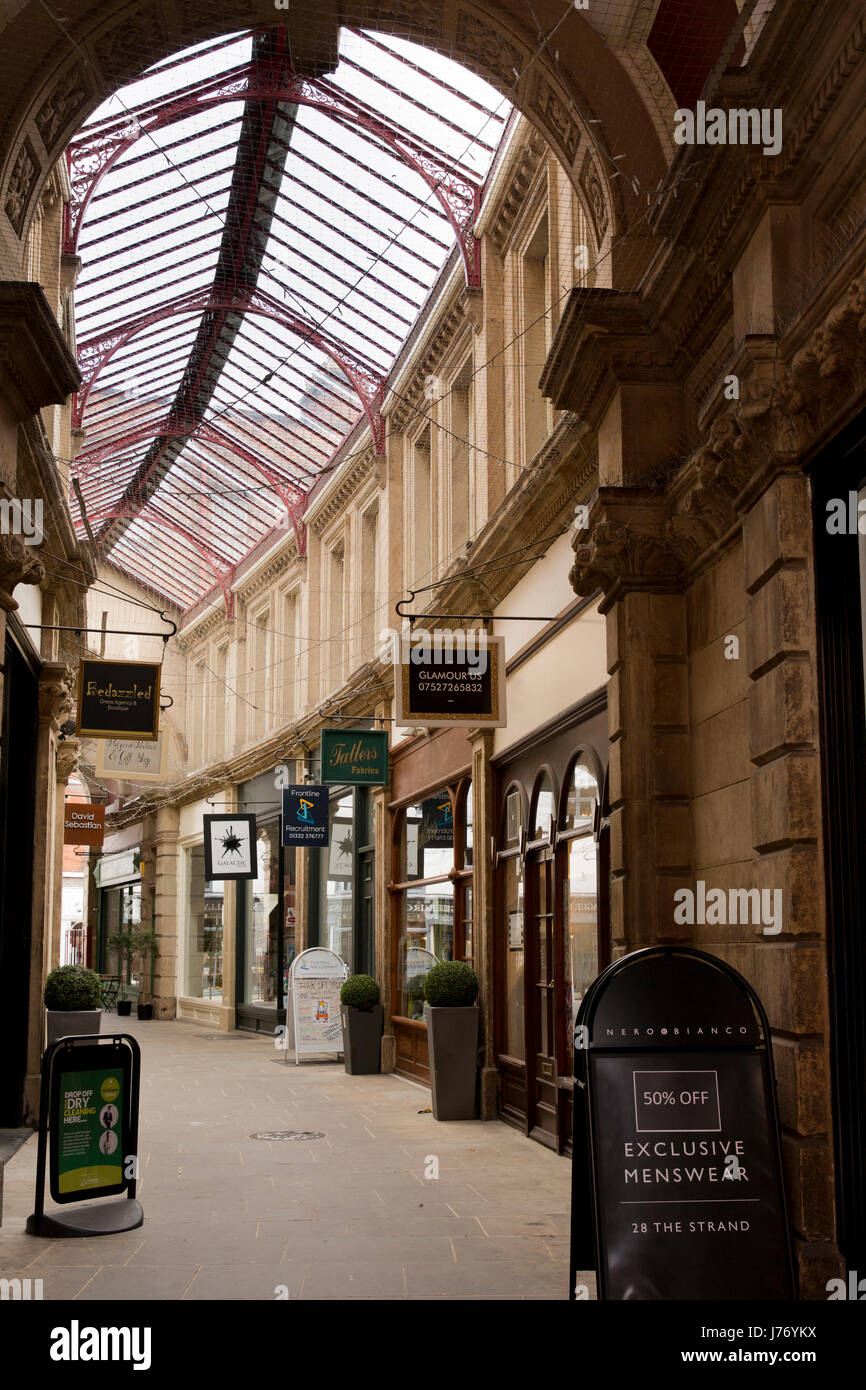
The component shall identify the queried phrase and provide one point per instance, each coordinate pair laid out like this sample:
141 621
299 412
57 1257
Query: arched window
543 811
579 848
512 890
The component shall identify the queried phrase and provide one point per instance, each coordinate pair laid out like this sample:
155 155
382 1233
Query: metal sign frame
595 1109
105 1217
338 971
85 730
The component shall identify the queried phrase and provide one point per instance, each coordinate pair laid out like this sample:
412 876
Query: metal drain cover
289 1134
225 1037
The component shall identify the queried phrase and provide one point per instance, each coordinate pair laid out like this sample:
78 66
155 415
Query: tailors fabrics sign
229 847
88 1121
83 824
677 1135
451 678
305 816
356 757
118 699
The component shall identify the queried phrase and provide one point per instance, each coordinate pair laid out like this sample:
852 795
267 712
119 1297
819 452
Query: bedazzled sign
118 699
677 1178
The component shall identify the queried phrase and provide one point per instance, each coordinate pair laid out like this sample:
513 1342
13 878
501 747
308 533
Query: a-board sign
118 699
88 1123
677 1188
230 847
448 683
355 757
317 975
131 760
83 824
305 815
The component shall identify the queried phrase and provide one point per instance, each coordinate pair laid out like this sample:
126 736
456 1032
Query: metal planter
452 1036
362 1039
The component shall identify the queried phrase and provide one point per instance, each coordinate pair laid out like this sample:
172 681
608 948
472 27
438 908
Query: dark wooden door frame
841 467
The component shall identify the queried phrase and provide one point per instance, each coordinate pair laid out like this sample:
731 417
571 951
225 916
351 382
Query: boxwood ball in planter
72 998
363 1024
451 989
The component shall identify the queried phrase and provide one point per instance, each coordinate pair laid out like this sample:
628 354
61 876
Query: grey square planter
67 1023
362 1039
452 1035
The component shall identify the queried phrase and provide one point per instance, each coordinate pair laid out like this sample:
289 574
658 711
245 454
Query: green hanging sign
355 757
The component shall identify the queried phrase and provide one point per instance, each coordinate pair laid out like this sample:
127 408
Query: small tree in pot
72 998
363 1024
145 948
451 988
122 944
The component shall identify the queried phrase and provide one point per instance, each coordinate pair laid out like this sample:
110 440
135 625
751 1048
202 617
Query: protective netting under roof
256 248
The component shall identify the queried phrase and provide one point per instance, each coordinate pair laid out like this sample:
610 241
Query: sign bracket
115 631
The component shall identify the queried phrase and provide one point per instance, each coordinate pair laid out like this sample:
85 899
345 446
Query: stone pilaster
166 912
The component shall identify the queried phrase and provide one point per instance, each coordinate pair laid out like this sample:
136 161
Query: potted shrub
144 946
451 988
122 943
363 1024
72 997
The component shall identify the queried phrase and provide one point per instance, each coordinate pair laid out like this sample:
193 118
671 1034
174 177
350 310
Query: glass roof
256 248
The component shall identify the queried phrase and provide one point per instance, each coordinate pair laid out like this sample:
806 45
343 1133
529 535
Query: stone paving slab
349 1216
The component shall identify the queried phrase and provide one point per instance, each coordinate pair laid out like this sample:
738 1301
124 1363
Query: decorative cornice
347 483
413 401
525 170
37 367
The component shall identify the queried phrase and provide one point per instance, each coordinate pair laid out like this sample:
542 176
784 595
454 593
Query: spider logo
230 842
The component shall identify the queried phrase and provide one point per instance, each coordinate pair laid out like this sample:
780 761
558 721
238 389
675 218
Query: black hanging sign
229 847
118 699
305 815
450 678
677 1188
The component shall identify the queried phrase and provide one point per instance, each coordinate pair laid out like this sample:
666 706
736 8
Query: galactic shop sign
676 1134
118 699
229 847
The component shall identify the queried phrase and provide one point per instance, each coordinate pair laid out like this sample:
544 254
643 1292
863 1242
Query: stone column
65 764
382 865
166 913
483 943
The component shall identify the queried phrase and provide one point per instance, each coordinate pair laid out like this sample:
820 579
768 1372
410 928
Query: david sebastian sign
305 818
83 824
677 1177
118 699
451 678
355 757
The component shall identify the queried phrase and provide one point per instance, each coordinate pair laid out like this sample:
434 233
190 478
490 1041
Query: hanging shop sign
118 699
452 678
89 1121
355 757
317 975
677 1135
305 816
132 760
83 824
230 847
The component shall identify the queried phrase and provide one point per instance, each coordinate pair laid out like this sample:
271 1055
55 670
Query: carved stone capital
66 762
627 546
56 700
19 564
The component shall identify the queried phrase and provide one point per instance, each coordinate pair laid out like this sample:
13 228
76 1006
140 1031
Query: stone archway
61 61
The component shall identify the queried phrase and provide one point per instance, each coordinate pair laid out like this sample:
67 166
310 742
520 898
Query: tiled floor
350 1215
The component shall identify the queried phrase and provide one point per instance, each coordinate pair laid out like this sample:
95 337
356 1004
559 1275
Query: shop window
121 909
203 963
434 894
544 812
336 904
263 920
580 889
513 942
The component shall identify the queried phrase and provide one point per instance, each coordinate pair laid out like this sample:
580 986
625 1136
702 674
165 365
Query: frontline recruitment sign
305 816
676 1135
355 757
118 699
451 677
